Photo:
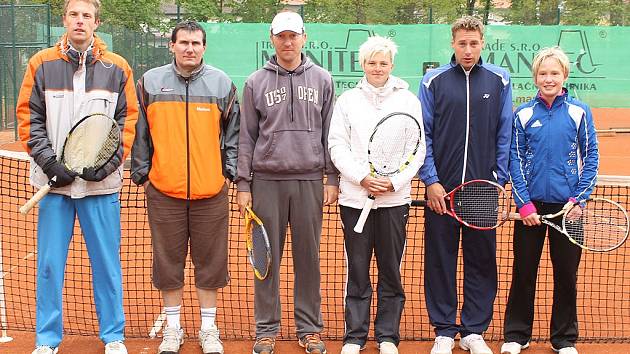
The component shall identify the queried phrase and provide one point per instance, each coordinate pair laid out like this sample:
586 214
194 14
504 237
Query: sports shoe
44 349
513 347
475 344
313 344
117 347
565 350
387 348
351 348
264 345
443 345
172 339
210 342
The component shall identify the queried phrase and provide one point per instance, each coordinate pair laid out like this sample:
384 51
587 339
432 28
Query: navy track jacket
467 122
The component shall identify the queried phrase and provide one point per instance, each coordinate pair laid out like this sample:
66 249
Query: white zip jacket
355 115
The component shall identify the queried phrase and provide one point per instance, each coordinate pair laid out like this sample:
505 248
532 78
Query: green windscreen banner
600 74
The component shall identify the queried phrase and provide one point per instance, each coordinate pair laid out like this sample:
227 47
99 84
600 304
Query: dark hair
190 26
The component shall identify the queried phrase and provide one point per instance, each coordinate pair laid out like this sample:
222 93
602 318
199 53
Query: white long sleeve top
356 113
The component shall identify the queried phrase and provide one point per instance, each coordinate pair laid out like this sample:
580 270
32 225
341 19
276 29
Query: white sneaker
44 349
210 342
387 348
443 345
513 347
565 350
117 347
172 339
475 344
351 348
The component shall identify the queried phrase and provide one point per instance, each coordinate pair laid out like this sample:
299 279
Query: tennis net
603 280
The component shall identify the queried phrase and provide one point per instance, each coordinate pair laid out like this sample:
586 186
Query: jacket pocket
292 151
100 102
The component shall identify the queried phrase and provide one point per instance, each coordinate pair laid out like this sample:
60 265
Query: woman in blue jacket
553 160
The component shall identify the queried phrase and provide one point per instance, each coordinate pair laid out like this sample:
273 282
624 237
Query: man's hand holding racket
243 200
331 193
435 198
58 175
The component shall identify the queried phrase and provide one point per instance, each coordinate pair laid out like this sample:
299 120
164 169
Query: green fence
23 32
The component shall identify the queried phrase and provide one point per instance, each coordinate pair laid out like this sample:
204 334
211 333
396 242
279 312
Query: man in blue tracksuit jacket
467 110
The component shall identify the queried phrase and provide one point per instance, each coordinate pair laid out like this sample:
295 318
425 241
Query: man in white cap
285 171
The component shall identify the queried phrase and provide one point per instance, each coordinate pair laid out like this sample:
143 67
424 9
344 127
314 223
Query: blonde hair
467 23
555 53
96 3
377 44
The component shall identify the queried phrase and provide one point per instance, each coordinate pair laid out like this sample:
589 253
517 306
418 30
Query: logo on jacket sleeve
486 96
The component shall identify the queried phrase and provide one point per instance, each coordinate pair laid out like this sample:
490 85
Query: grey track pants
298 204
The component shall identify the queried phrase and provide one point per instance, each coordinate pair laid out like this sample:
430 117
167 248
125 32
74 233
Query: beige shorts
177 223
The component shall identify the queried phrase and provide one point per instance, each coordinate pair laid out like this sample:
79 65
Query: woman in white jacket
355 115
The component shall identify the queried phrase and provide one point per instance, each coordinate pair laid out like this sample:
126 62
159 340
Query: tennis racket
258 248
91 143
478 204
595 224
391 148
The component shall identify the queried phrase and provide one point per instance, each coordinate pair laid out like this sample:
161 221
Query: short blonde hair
467 23
377 44
555 53
96 3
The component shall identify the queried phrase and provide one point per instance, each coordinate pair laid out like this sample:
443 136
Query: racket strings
109 147
91 143
260 253
393 145
601 226
481 204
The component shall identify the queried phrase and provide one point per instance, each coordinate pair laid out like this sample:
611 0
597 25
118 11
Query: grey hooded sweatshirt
285 118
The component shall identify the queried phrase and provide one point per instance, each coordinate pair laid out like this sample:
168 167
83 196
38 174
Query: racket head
600 224
480 204
258 246
91 143
393 143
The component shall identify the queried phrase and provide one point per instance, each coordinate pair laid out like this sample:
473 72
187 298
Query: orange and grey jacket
187 132
61 86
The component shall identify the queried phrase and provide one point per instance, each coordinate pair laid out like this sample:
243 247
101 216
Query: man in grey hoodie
282 161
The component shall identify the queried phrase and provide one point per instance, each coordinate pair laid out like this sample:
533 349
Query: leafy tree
131 14
255 10
202 10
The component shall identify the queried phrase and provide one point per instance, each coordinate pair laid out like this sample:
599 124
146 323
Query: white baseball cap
287 21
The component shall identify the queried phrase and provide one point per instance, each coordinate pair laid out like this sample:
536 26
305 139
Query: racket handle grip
415 203
35 199
358 228
514 216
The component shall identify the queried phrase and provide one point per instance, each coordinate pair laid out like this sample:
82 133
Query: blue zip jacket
554 155
467 122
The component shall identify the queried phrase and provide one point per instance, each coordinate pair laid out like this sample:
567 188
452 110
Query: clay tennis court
603 299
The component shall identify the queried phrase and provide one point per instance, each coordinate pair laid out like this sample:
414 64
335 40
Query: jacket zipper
467 123
187 81
291 85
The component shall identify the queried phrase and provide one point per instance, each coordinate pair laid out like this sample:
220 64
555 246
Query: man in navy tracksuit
467 110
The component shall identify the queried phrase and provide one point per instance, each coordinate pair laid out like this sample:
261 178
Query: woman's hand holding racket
377 186
594 224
